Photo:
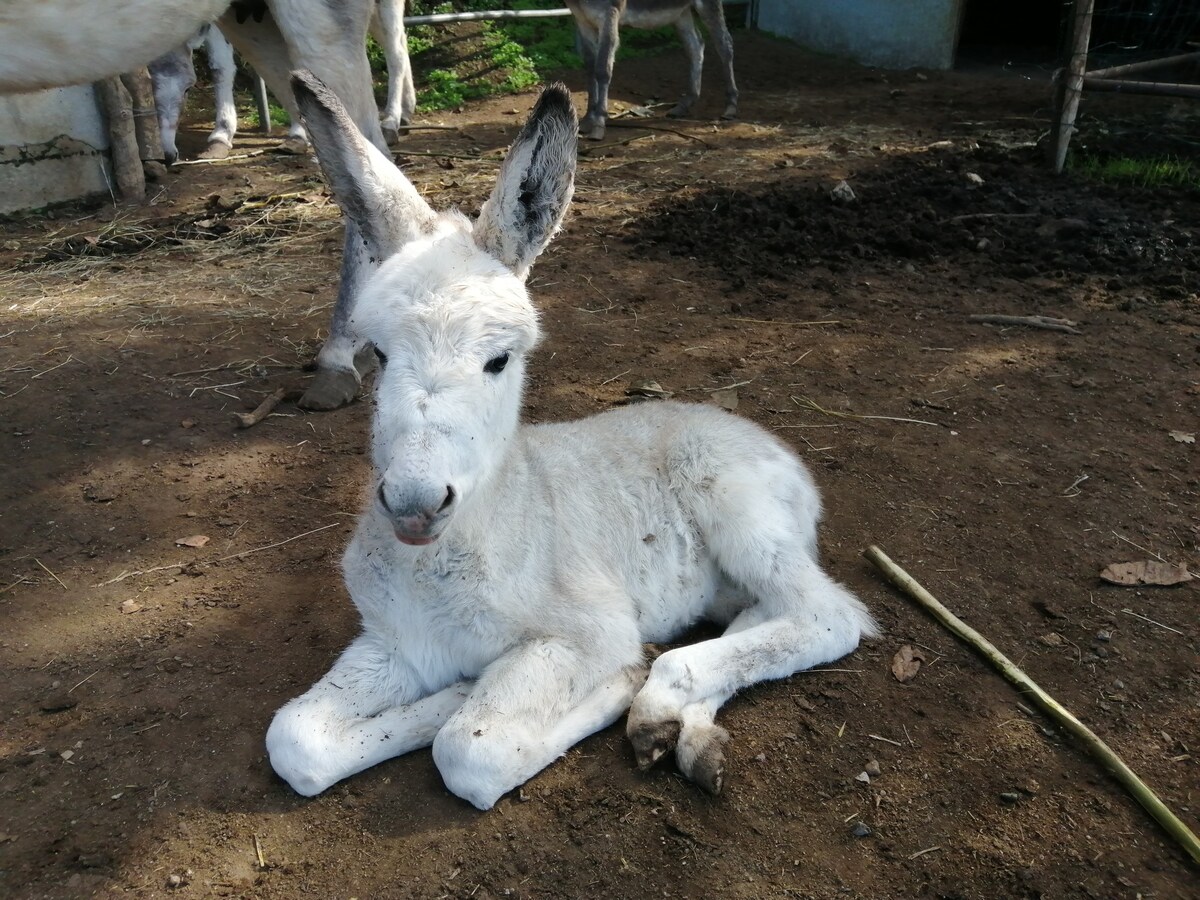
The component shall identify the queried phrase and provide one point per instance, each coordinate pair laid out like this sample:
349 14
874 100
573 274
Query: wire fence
1125 46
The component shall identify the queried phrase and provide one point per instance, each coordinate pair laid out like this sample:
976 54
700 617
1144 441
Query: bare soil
1003 466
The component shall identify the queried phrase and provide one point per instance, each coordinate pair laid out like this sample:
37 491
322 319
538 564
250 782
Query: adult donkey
507 575
49 43
599 24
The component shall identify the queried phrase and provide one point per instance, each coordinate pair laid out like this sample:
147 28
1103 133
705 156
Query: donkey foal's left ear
535 185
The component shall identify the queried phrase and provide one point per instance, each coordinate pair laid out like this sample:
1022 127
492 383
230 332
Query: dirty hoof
293 145
680 111
331 389
708 770
730 112
215 150
652 741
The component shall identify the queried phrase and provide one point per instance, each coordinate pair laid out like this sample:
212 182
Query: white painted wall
53 147
893 34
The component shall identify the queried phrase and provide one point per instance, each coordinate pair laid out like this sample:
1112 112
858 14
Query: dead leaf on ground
1184 437
726 399
196 541
907 663
646 388
1147 571
130 606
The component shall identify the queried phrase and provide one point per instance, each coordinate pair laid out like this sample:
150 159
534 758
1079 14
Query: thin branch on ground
1096 747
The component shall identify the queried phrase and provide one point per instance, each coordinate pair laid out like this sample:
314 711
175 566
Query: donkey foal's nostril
449 498
383 498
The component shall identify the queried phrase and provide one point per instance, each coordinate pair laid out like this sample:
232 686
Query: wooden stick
1046 323
1149 800
264 409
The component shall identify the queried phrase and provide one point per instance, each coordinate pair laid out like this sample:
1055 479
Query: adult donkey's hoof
215 150
331 389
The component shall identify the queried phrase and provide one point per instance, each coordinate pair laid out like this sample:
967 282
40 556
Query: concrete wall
894 34
53 147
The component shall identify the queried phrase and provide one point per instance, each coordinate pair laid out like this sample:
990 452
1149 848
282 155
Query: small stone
58 702
129 606
863 777
761 758
982 244
861 830
872 768
842 193
1119 684
973 179
1104 636
1010 797
921 76
1101 652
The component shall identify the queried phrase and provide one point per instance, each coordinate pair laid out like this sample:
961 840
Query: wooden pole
145 118
263 104
1029 689
1070 87
122 137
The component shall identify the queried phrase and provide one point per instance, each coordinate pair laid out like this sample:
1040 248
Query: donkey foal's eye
382 357
496 364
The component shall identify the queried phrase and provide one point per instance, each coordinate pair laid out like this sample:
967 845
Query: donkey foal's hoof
331 389
703 760
652 741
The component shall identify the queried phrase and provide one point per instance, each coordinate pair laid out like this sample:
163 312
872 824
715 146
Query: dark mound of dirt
991 210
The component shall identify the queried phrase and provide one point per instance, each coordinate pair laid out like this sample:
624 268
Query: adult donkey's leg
329 39
387 27
693 47
224 70
600 36
714 18
261 44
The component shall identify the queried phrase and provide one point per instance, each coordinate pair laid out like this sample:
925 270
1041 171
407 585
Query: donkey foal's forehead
445 287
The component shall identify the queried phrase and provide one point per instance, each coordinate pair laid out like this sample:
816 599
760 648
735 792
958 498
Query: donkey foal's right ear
535 185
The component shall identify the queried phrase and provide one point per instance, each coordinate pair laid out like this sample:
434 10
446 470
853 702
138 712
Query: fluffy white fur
507 575
599 23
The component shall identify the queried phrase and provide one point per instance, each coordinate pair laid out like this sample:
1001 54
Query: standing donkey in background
507 575
599 24
48 43
174 75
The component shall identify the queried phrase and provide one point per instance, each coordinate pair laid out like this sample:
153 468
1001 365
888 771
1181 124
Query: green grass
1162 171
506 58
279 116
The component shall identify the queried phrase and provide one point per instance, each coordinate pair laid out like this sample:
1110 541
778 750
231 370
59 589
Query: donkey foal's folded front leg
527 710
355 717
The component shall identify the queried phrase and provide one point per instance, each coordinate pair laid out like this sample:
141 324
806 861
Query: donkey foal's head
447 310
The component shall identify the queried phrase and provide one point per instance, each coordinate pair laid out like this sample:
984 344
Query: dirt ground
1004 467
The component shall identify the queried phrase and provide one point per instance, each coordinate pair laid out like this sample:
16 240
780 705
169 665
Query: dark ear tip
555 100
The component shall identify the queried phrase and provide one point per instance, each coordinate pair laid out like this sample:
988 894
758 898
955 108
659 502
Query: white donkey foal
507 575
599 23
